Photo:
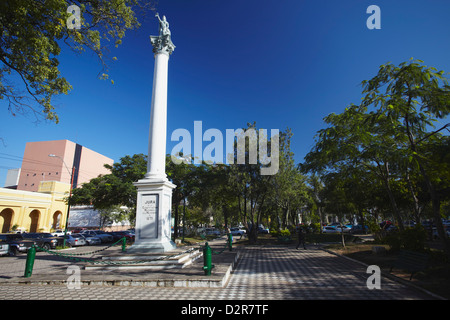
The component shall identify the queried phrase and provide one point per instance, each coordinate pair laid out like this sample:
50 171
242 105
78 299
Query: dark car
16 243
104 237
358 229
44 240
117 235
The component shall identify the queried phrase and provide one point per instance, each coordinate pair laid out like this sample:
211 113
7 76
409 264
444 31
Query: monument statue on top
163 26
154 191
162 43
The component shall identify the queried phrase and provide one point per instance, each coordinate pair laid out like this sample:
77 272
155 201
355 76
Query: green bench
411 261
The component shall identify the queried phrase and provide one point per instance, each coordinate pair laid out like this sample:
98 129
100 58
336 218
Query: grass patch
192 240
61 247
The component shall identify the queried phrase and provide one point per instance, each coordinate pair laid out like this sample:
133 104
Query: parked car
4 249
90 240
390 228
212 232
344 229
75 240
237 232
333 224
358 229
385 224
330 229
104 237
17 244
78 230
409 224
263 230
43 240
117 235
59 233
435 233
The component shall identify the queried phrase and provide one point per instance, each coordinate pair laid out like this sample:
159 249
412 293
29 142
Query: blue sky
279 63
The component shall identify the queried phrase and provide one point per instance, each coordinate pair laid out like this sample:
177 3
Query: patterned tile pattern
263 273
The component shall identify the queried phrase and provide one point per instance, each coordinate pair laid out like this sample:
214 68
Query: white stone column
158 120
154 199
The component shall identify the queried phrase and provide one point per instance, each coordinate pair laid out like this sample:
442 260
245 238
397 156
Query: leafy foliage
31 35
385 144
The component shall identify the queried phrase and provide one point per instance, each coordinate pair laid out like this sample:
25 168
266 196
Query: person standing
301 238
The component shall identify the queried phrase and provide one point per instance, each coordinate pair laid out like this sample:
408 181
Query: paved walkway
262 273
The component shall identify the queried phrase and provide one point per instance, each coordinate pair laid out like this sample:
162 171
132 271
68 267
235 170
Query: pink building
54 160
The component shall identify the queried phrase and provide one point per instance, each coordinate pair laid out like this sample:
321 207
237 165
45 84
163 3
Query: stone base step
154 261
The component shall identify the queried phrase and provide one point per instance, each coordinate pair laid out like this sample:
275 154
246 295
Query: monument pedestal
153 217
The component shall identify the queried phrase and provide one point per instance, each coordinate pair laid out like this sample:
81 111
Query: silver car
90 240
75 240
4 249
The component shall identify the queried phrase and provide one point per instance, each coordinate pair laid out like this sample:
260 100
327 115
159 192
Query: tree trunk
414 197
385 177
361 218
225 215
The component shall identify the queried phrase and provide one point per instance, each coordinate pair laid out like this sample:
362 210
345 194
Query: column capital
162 44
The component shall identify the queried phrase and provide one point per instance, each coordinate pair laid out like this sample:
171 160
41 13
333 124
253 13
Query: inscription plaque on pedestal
149 227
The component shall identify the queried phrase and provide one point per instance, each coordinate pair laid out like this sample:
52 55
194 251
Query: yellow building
40 211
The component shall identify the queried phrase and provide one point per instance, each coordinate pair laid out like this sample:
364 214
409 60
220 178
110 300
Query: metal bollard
230 241
124 244
207 256
31 254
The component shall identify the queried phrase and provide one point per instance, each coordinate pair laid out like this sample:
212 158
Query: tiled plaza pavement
262 273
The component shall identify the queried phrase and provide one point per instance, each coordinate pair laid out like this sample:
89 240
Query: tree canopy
387 142
32 35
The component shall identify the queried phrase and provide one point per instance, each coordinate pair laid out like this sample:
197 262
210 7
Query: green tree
315 188
353 143
412 97
288 190
185 176
214 191
32 34
114 189
251 188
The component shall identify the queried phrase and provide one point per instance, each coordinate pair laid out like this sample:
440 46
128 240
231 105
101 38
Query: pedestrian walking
301 238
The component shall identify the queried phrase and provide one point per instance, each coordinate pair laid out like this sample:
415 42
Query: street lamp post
70 195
